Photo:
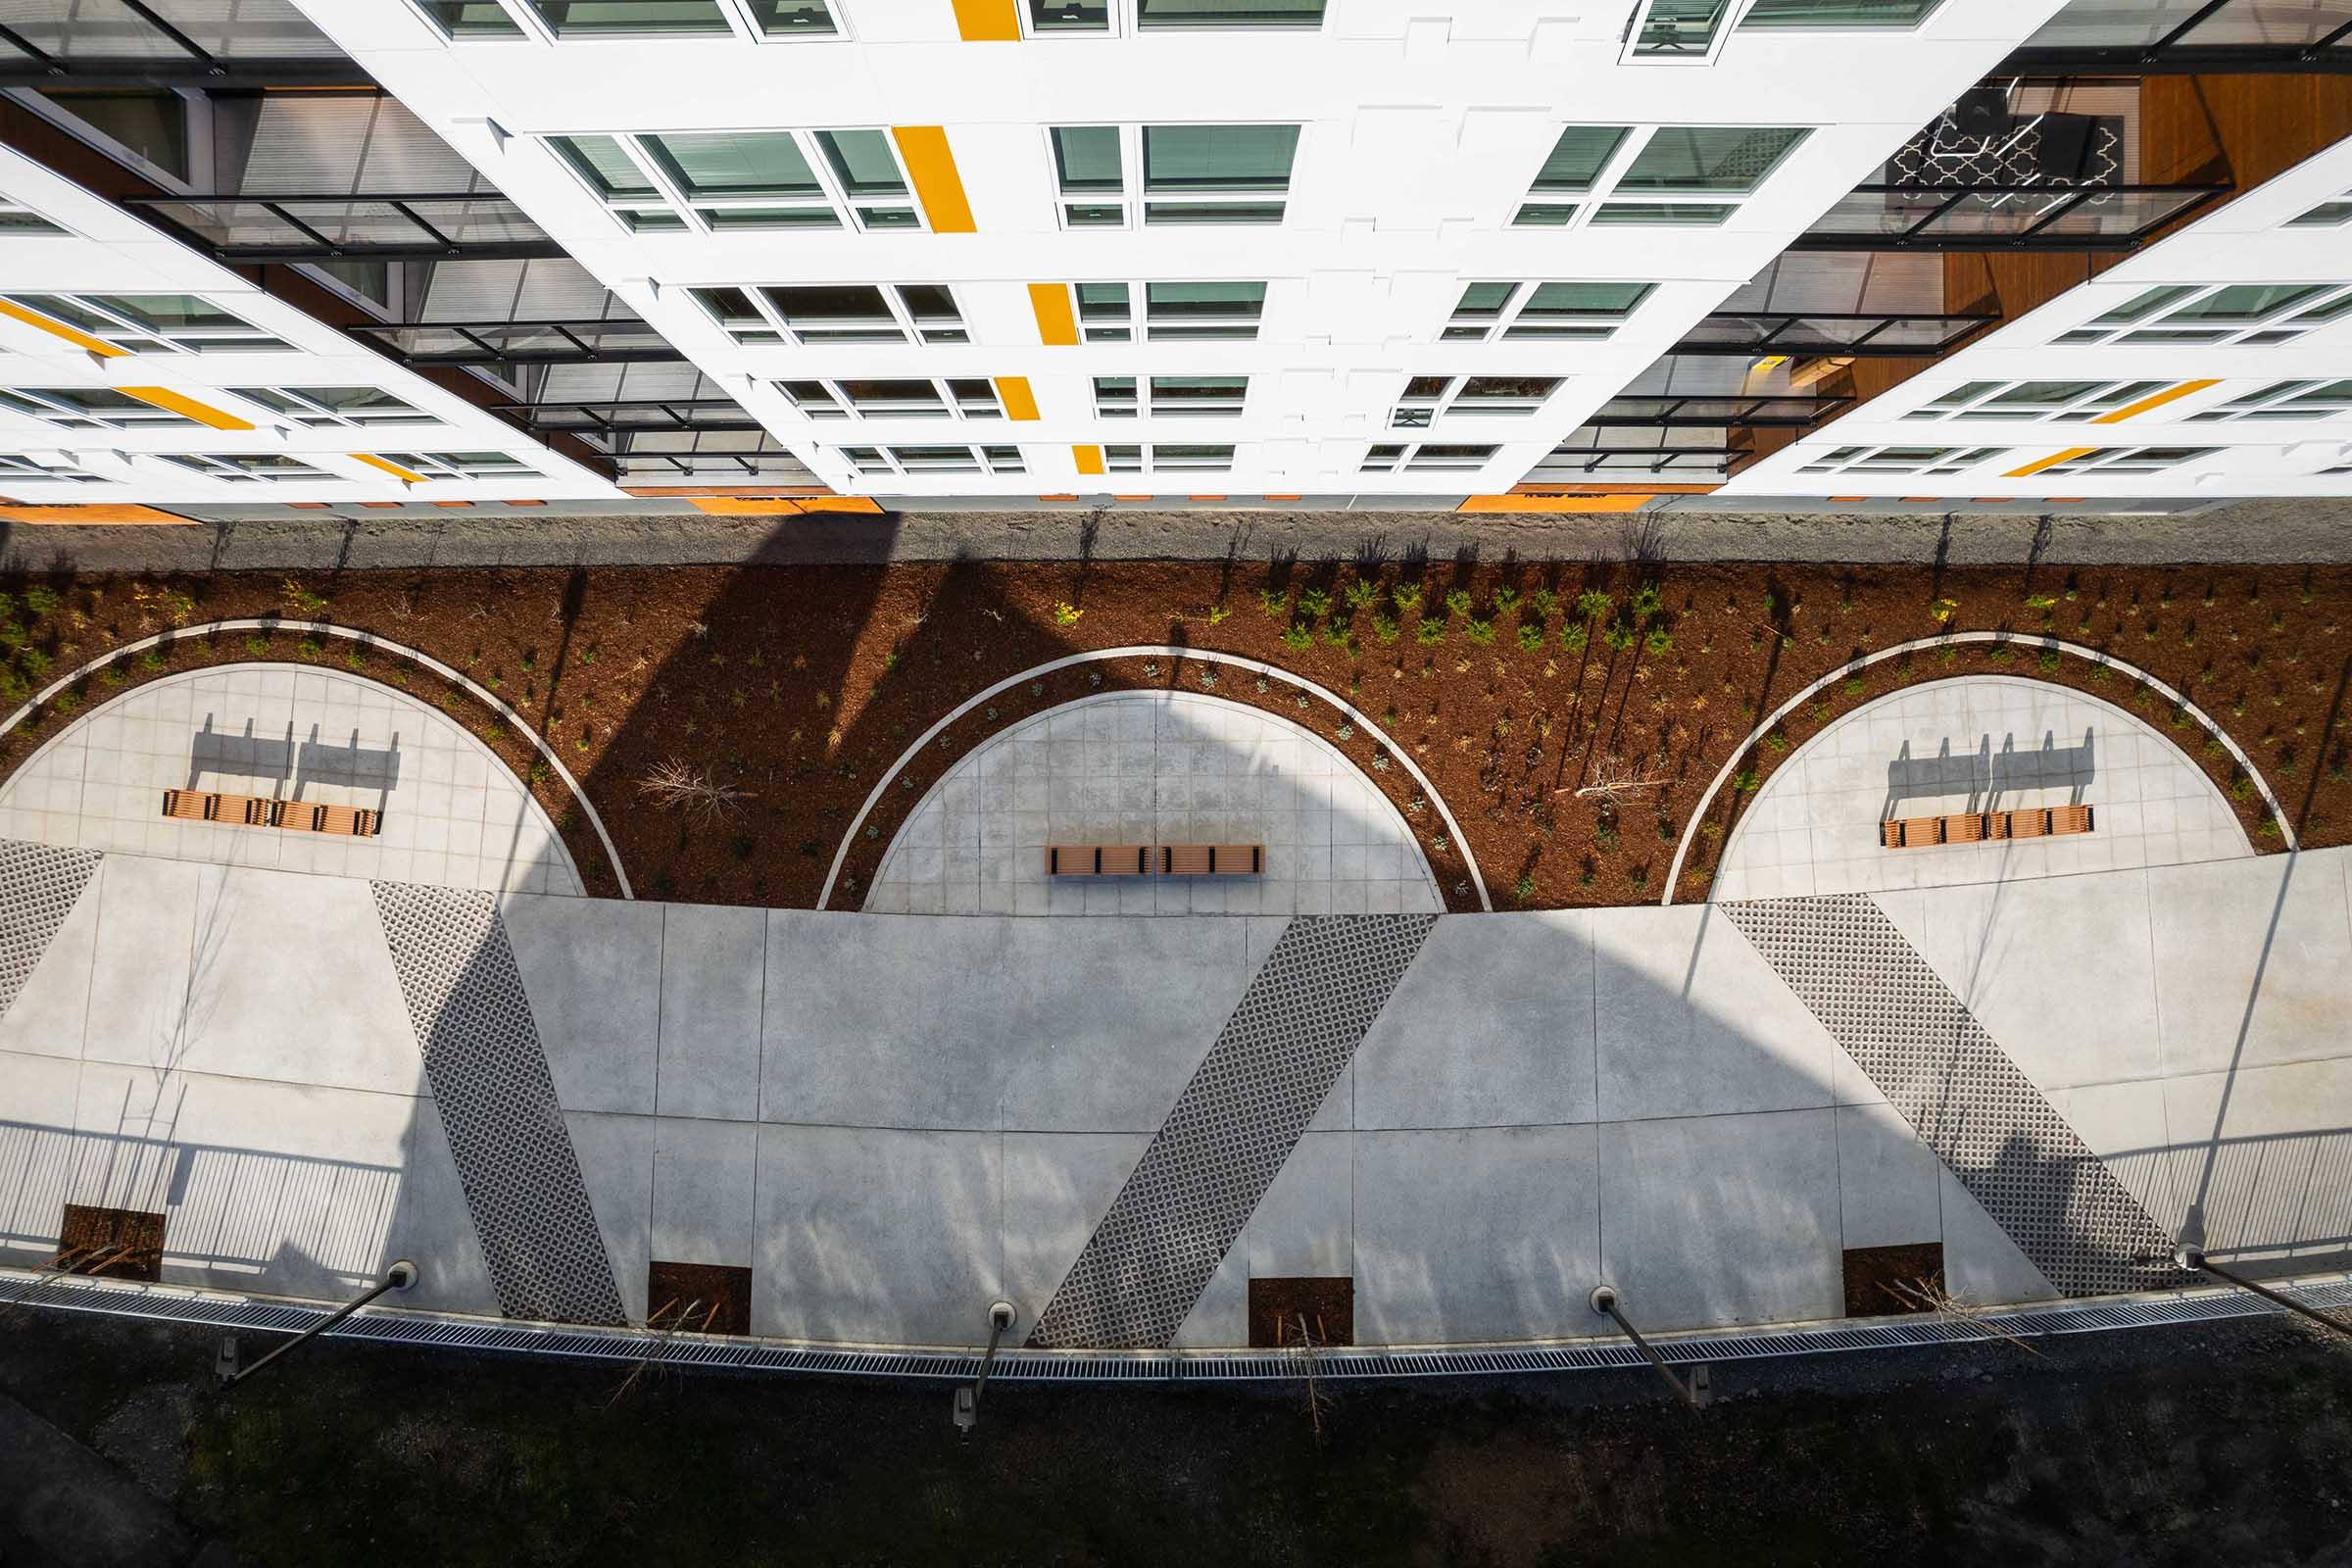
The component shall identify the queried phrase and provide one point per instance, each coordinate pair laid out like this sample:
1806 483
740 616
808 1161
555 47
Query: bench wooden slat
1967 828
1238 859
2070 819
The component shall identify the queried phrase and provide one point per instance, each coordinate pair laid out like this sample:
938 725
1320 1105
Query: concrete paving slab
1303 1226
2060 971
872 1235
1886 1180
1692 1022
2216 927
51 1008
1475 1235
1981 1263
142 961
2124 1125
616 1166
712 980
1057 1187
592 968
433 1226
1723 1219
1527 980
37 1153
2262 1160
703 1176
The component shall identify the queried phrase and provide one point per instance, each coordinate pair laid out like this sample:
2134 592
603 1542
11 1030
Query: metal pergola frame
319 247
199 67
2173 55
1783 336
485 349
1734 408
623 416
2034 237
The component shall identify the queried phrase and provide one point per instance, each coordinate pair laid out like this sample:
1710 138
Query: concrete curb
1755 737
1355 716
324 628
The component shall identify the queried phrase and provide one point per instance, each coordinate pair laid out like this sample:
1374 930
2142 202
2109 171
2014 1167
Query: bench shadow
261 758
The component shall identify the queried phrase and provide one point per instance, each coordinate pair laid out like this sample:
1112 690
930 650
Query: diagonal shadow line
2193 1223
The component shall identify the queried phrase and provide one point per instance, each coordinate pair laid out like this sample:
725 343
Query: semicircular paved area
1976 742
454 814
1155 767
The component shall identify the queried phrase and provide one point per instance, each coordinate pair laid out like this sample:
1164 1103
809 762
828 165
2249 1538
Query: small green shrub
1592 604
1405 595
1315 604
1645 600
1276 603
1067 613
1525 888
1339 634
1778 740
1573 636
1658 640
152 659
1618 636
1360 592
39 601
1856 685
1744 780
1457 601
65 701
13 635
309 648
1604 832
1506 600
258 646
2042 601
1383 627
1430 632
35 662
1544 603
1297 635
1479 631
2049 660
111 675
1531 636
301 601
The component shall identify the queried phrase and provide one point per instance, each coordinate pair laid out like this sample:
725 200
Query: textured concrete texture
2268 530
893 1120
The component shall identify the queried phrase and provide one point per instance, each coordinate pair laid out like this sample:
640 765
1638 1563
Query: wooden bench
1976 827
1098 859
2070 819
2021 824
1910 832
1213 859
291 816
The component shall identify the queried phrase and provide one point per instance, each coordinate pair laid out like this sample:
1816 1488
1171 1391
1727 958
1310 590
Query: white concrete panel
46 1020
2262 1160
1057 1186
1981 1263
592 968
142 966
712 980
1886 1180
616 1166
1303 1226
2251 960
704 1175
37 1153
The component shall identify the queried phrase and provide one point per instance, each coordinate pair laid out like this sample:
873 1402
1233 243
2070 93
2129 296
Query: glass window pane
1158 213
632 15
1069 16
153 124
1544 215
471 18
1152 13
1087 157
2245 302
1205 157
929 302
1678 27
599 162
829 302
1708 158
792 17
169 313
863 161
762 218
1585 299
1203 299
736 162
1483 301
1840 13
2147 303
1580 155
1091 216
1700 215
1099 302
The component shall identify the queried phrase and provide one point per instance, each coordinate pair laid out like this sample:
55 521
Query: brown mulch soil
796 687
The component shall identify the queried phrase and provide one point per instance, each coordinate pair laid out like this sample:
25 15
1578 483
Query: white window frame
670 195
2333 213
1453 399
534 28
52 405
2318 398
2101 462
1231 326
1417 457
1148 458
24 466
993 459
898 323
847 409
1978 402
461 465
1123 21
2137 322
125 332
1927 461
311 413
12 208
1133 198
1706 208
232 468
1505 323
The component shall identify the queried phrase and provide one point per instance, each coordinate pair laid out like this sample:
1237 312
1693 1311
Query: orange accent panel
987 21
643 490
1056 497
1618 502
201 412
81 340
405 475
743 506
452 503
1281 498
865 504
1135 498
1057 323
2050 462
1019 402
1204 498
1090 459
71 515
2154 399
522 503
931 167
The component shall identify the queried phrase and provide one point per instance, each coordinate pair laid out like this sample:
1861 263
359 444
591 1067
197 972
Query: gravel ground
2253 532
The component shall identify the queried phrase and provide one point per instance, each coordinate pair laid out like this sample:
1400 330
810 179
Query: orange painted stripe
201 412
55 328
1617 503
76 516
405 475
1057 323
1019 402
841 504
2155 400
923 149
987 21
2050 462
745 506
1090 459
1056 497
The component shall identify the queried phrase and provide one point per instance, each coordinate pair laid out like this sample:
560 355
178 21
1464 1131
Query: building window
1136 459
1427 458
935 459
714 181
462 465
149 124
469 21
265 466
1190 174
1675 175
2175 314
17 218
1114 397
968 398
1839 15
2101 462
1172 311
606 18
2034 400
1427 398
1902 459
1582 312
1046 18
2328 215
319 405
21 467
2287 400
816 314
153 323
1173 397
1677 29
88 409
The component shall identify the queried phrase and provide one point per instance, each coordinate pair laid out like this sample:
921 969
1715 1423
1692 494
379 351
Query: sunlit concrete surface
893 1120
452 813
1974 743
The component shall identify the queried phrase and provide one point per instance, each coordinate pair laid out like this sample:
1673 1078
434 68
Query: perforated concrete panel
1927 1054
498 1103
1230 1131
39 885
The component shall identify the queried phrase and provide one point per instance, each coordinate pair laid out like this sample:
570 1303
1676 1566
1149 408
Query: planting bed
794 689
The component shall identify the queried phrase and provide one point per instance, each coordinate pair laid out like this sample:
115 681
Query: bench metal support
1697 1395
398 1277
